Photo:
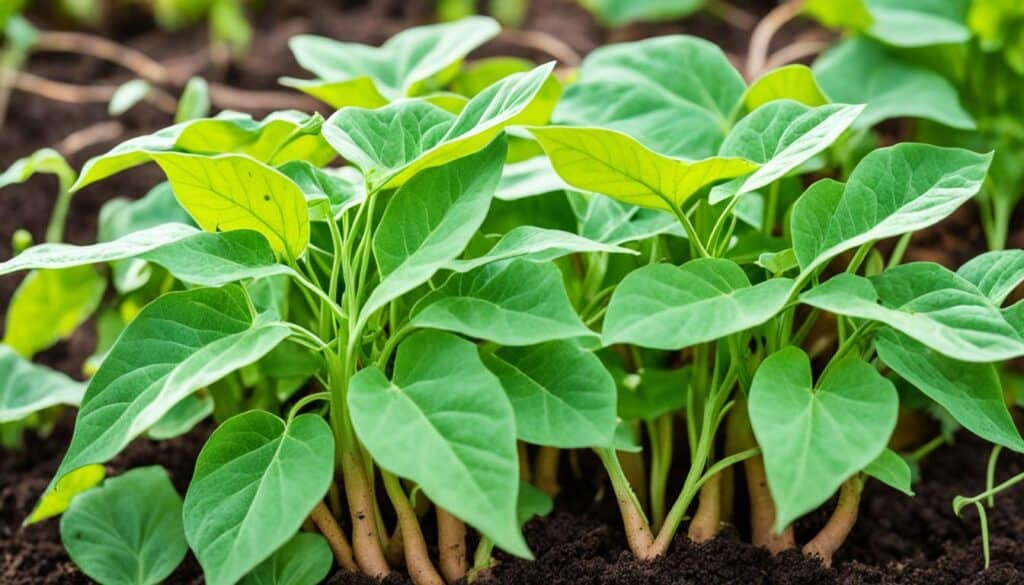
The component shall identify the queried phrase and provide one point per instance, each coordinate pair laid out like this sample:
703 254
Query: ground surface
898 539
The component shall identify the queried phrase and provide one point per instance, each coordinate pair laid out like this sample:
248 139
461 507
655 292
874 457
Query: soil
898 539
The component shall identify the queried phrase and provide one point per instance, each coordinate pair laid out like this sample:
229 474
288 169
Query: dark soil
898 539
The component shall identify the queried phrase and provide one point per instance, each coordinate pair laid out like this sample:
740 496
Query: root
86 44
328 526
543 42
825 544
451 542
707 519
638 531
417 560
98 133
762 510
84 94
365 540
761 38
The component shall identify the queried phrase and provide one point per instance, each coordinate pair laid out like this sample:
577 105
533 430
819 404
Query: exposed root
451 543
762 510
545 470
98 133
83 94
328 526
543 42
707 519
761 38
825 544
86 44
417 559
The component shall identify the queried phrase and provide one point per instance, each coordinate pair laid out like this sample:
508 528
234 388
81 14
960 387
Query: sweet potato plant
661 264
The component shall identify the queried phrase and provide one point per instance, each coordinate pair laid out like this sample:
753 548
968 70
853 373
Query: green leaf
341 189
620 12
919 23
674 94
479 74
783 135
44 160
182 417
194 102
235 192
971 393
280 137
26 388
179 343
930 304
669 307
392 144
49 305
850 14
191 256
996 274
813 439
128 95
256 480
121 216
892 470
306 559
894 190
791 82
453 200
536 245
532 503
606 220
413 61
561 394
612 163
531 177
516 302
443 421
859 71
127 531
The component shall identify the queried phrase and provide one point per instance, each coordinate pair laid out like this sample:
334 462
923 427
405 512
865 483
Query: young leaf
350 74
44 160
783 135
928 303
178 344
813 439
194 102
996 274
516 302
392 144
235 192
280 137
894 190
860 71
672 307
561 394
304 560
256 480
444 422
127 531
970 392
128 95
341 188
191 256
612 163
791 82
674 94
650 393
603 219
453 200
536 245
892 470
50 305
26 388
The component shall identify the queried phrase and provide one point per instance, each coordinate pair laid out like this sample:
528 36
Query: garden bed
896 539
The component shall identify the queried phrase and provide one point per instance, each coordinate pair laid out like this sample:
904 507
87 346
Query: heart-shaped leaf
304 560
416 59
256 480
930 304
127 531
672 307
892 470
561 394
516 302
612 163
444 422
894 190
392 144
814 439
26 387
178 344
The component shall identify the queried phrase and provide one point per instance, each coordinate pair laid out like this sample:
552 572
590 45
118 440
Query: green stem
771 209
482 559
990 473
900 249
55 229
691 232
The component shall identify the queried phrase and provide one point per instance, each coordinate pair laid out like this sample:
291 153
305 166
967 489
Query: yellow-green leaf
610 162
792 82
235 192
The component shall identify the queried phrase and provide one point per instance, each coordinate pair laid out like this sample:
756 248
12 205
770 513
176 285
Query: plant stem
691 231
638 531
482 559
762 510
545 470
59 216
825 544
660 433
771 209
704 525
417 560
990 473
451 544
328 526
